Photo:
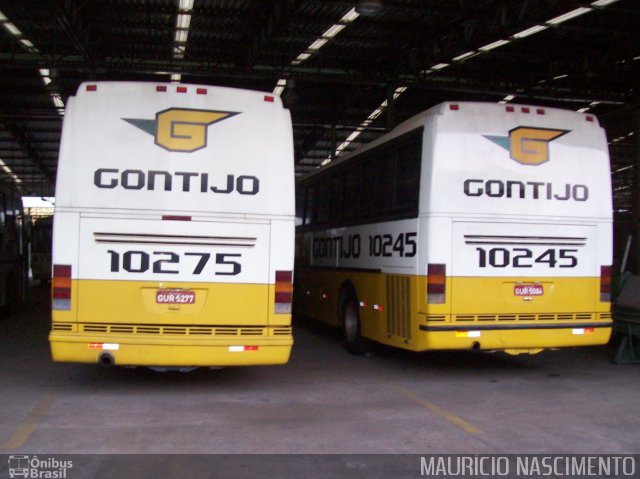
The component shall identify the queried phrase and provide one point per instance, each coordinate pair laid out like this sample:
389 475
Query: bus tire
350 321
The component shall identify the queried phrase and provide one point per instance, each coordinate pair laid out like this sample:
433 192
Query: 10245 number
526 258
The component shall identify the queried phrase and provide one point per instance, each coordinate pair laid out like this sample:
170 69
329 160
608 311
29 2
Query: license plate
175 297
528 290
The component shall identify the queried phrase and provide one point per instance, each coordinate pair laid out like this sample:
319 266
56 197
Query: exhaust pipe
106 360
475 346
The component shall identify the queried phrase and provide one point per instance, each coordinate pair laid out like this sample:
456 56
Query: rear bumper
171 352
515 338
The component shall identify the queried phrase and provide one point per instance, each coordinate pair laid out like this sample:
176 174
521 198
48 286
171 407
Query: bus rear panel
507 246
173 232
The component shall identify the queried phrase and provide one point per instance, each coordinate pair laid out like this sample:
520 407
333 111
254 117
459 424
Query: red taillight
181 89
92 87
436 283
605 284
161 88
61 287
283 292
454 107
269 99
201 91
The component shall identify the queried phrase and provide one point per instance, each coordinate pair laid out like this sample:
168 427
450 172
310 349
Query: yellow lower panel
136 351
498 295
513 340
135 301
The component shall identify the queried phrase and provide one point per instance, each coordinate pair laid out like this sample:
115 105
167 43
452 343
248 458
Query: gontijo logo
181 129
528 145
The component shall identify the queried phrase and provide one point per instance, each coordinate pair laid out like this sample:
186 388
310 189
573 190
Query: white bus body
483 226
173 231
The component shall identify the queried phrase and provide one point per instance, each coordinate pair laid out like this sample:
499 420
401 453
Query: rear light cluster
524 109
284 292
182 89
605 284
61 287
436 283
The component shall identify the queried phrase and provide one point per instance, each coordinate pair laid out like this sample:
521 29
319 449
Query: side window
382 185
352 190
2 208
300 202
309 205
407 187
337 197
324 203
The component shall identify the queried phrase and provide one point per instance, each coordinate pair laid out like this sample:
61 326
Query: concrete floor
324 401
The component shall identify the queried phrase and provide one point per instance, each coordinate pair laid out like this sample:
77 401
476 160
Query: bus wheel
350 320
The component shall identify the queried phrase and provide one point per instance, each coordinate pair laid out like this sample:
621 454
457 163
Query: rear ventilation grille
177 330
546 317
399 306
62 327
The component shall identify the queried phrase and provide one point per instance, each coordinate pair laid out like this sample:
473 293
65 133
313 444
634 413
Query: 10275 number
167 262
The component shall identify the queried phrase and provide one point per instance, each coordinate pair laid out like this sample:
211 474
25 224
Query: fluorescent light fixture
181 36
399 91
300 58
176 77
57 101
327 35
317 44
494 45
280 86
464 56
560 77
602 3
624 168
530 31
439 66
350 16
569 15
28 43
185 5
10 173
183 21
365 124
12 29
334 30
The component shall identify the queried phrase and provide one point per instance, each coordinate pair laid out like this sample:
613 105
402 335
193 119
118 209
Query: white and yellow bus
173 234
470 226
